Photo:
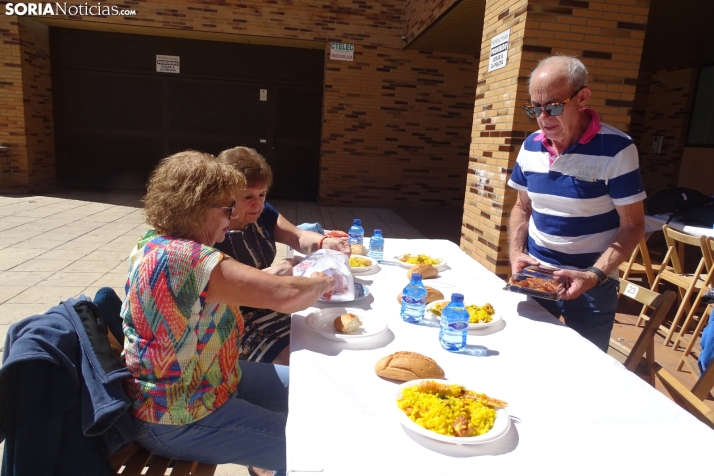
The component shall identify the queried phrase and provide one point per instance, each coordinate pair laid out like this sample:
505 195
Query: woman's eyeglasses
553 109
230 209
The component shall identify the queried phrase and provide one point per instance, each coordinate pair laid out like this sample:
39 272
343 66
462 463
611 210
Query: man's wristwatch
601 277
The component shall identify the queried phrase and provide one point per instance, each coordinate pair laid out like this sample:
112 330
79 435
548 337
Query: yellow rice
357 262
419 259
437 411
477 314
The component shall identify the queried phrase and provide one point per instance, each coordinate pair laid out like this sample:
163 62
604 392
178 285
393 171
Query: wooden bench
132 459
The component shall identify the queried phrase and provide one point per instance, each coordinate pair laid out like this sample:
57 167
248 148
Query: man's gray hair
574 69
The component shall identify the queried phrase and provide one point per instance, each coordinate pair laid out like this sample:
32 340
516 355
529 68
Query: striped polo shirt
573 219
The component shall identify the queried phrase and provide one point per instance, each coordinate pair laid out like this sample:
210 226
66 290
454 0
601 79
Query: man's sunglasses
553 109
230 209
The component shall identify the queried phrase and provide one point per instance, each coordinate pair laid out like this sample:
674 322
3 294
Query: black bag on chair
676 200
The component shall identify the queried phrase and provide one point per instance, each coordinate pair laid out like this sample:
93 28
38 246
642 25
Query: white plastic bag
334 264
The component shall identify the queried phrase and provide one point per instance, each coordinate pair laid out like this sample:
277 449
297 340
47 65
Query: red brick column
12 118
607 35
26 123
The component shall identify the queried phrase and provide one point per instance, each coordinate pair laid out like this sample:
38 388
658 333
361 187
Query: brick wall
391 111
373 22
421 13
663 109
12 118
607 36
396 127
37 94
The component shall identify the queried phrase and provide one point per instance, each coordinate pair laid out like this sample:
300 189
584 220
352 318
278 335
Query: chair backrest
705 382
675 237
709 249
631 265
683 397
660 305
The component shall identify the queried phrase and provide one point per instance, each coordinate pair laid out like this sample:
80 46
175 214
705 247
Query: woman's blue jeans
249 429
591 315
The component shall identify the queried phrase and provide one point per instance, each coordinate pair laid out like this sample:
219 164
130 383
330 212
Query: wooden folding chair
635 267
691 342
644 346
672 271
683 397
133 459
692 347
704 383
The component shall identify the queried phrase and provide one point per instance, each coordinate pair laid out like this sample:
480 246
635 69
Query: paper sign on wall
499 50
342 51
168 64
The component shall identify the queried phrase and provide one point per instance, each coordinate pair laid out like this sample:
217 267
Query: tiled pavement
73 242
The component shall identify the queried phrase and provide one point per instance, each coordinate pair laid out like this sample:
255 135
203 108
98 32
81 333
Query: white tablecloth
654 223
575 409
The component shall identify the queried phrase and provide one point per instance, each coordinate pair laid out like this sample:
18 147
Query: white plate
361 292
500 426
364 269
495 319
409 265
322 322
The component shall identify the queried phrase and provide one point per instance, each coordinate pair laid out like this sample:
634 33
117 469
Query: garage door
116 117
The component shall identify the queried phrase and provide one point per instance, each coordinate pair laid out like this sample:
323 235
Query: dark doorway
116 117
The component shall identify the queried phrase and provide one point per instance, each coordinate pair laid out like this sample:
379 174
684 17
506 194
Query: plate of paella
479 316
412 259
361 264
451 413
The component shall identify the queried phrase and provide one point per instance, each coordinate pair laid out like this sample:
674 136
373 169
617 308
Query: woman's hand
337 244
325 280
240 285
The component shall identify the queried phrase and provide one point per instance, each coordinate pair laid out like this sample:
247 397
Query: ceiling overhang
459 29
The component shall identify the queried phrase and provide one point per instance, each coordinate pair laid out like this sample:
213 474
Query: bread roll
347 323
405 366
427 271
358 250
431 295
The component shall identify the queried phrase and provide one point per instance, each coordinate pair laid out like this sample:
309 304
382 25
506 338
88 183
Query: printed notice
168 64
342 51
499 50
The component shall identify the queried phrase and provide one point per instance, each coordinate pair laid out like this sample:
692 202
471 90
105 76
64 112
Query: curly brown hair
250 163
181 189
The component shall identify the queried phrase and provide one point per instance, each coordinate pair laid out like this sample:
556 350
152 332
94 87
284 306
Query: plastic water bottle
356 233
376 245
454 324
414 300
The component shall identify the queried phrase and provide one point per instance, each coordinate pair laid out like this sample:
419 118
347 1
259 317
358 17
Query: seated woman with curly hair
255 228
190 397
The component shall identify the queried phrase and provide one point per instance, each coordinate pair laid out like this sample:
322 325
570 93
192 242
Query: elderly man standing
580 194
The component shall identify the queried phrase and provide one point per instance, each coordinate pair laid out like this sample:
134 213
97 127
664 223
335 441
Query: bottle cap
456 296
377 231
416 277
358 221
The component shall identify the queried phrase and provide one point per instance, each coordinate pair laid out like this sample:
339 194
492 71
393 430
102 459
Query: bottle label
458 326
412 301
355 238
